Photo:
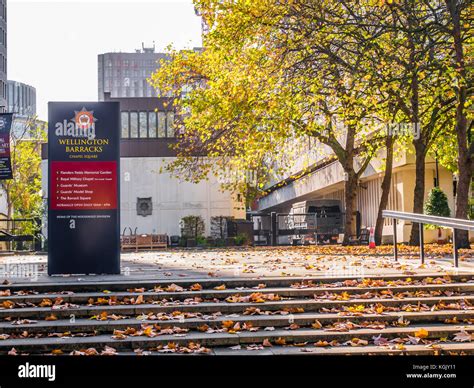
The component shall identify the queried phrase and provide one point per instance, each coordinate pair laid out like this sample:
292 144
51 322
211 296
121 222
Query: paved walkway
251 262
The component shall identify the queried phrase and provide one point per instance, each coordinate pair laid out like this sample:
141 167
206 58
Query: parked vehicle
323 216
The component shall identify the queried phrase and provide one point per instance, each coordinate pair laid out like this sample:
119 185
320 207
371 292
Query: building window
143 125
170 124
152 129
125 125
133 124
161 124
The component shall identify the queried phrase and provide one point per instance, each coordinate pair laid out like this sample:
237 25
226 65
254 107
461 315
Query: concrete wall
3 202
171 199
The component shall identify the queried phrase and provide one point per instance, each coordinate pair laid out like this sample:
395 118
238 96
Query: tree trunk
9 204
465 162
386 183
350 194
419 192
462 200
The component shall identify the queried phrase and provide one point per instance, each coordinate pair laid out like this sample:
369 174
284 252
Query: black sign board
83 188
6 120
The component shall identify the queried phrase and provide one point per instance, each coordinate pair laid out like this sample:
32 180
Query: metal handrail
421 219
447 222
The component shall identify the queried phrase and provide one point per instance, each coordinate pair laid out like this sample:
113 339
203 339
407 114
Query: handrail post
316 228
273 228
455 250
422 250
395 248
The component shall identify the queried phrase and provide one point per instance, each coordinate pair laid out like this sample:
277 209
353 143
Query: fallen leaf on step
227 324
174 288
108 351
422 333
321 344
463 336
196 287
266 343
8 304
280 341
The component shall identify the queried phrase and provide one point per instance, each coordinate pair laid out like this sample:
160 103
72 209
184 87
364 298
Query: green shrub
240 239
437 205
201 241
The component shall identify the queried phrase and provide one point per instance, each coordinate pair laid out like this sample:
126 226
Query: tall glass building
122 75
21 98
3 55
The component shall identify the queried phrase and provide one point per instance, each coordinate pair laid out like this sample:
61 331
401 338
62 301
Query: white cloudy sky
53 45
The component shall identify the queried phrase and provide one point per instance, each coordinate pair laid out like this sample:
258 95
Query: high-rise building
124 75
21 98
3 55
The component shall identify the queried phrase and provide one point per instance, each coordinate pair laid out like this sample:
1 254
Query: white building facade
326 181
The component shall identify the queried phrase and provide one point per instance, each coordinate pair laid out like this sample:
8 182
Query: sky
53 45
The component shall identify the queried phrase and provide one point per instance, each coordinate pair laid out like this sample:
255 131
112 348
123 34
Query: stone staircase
419 314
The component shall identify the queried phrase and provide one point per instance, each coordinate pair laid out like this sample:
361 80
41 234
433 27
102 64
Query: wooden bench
128 242
144 241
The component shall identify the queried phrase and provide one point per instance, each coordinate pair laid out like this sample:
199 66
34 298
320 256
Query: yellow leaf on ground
227 324
345 296
8 304
422 333
196 287
280 341
46 303
321 344
203 328
148 331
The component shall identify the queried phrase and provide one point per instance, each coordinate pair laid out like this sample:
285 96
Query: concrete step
299 336
285 292
262 321
445 348
59 284
224 307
